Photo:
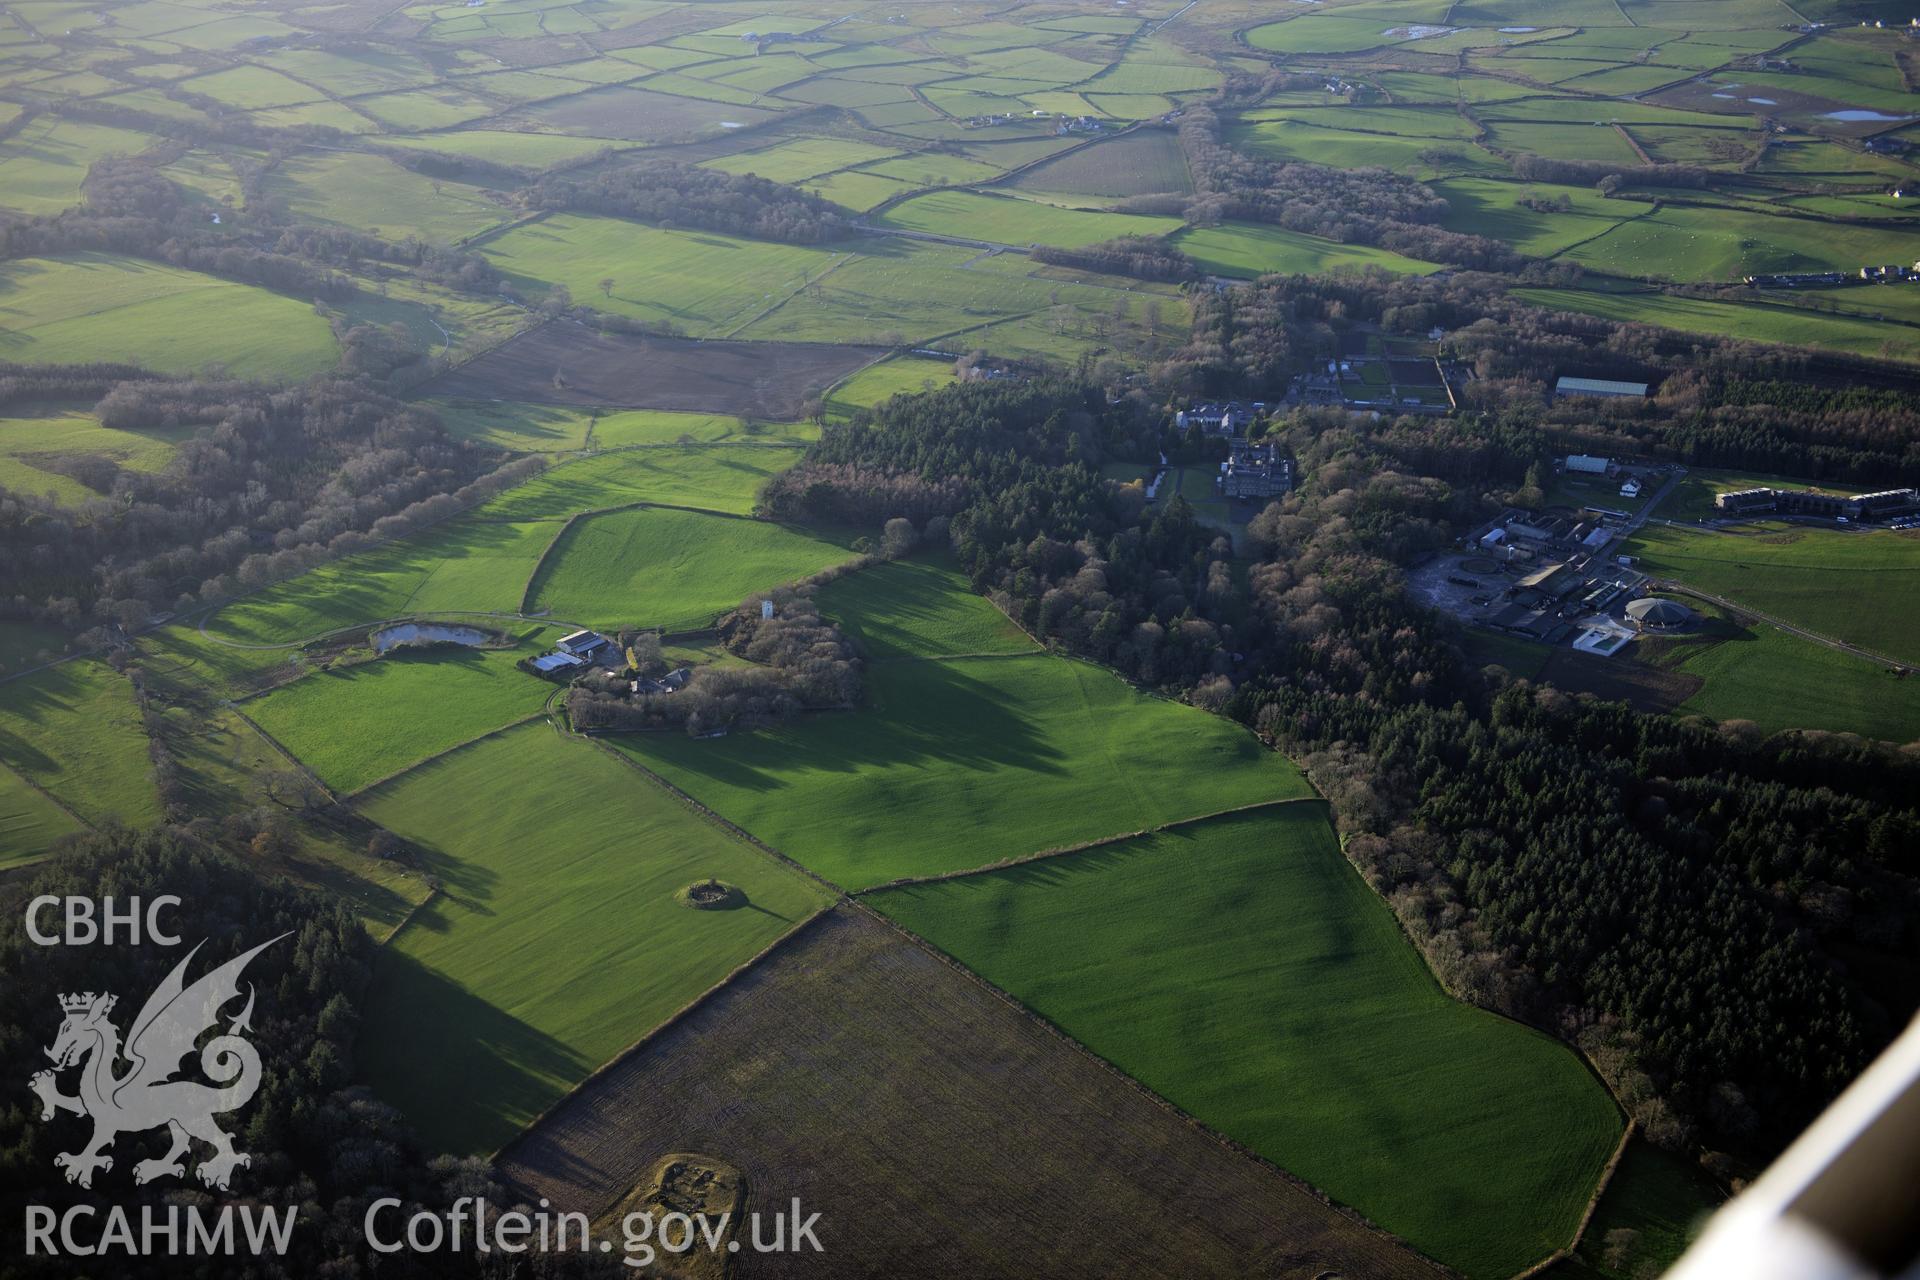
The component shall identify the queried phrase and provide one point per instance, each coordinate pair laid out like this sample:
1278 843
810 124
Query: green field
801 158
558 940
377 196
956 764
550 428
515 426
482 562
1863 588
181 655
249 87
83 307
1756 321
466 565
660 567
1780 681
1250 249
1311 33
857 191
357 724
902 375
725 477
969 215
919 608
32 448
705 283
524 150
75 730
932 168
1344 148
1490 207
711 477
1660 1197
1678 243
899 291
43 165
1241 968
30 823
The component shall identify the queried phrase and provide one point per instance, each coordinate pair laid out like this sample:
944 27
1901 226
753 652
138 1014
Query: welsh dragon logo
145 1095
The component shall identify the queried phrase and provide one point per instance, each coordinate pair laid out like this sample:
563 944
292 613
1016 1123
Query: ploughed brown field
936 1129
563 362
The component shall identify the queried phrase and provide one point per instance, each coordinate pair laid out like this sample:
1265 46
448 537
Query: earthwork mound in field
697 1186
936 1129
567 363
712 895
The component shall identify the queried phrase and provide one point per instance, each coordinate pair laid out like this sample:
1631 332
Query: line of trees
1142 257
670 194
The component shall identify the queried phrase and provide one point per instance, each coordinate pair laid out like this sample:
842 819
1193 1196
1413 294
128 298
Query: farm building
1655 614
548 664
584 645
1535 530
1551 580
1599 387
1534 624
1586 464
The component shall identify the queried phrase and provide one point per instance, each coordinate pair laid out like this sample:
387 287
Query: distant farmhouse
574 654
1601 387
1255 471
584 645
1805 502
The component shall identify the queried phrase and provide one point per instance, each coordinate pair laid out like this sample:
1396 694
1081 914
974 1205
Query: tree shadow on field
921 717
467 1074
463 884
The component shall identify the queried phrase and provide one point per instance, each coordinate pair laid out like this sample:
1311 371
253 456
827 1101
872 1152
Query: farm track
1781 624
1063 851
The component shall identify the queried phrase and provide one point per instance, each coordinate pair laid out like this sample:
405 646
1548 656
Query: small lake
1855 116
427 633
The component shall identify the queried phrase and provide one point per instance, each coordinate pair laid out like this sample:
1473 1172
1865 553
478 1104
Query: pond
426 633
1855 115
